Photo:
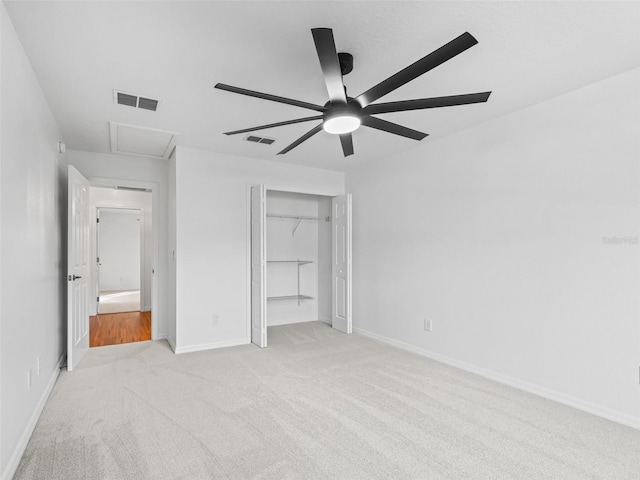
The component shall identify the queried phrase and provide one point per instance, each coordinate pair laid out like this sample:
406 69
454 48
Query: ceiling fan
342 114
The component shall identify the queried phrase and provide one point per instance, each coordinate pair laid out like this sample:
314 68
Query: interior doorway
122 250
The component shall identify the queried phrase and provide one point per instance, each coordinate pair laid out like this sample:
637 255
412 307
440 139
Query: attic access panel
142 141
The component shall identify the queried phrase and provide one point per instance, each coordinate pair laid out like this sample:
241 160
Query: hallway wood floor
115 328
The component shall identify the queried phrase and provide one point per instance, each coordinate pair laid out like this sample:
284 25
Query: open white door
258 266
341 264
77 268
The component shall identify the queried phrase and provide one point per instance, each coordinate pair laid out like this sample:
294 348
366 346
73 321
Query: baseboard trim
208 346
171 343
594 409
14 461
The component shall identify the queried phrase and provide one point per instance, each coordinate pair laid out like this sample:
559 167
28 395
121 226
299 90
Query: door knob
71 278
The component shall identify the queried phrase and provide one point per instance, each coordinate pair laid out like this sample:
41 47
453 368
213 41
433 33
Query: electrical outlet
214 319
38 366
427 325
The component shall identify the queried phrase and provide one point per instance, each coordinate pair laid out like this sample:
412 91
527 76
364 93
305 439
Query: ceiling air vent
132 100
133 189
256 139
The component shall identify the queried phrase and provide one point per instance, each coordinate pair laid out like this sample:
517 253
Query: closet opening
300 260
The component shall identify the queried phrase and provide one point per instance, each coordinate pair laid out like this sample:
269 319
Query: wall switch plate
427 325
29 379
214 319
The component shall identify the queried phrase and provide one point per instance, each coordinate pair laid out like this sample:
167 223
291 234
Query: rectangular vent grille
255 139
136 101
148 104
124 99
133 189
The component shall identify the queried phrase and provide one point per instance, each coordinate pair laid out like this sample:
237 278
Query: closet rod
300 217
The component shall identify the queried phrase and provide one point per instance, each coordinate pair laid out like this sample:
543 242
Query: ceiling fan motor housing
352 107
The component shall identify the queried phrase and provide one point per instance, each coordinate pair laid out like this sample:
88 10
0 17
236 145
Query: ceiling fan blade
435 58
266 96
394 128
278 124
303 138
326 48
347 144
419 104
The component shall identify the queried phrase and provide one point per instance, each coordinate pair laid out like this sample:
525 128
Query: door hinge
97 220
98 260
98 299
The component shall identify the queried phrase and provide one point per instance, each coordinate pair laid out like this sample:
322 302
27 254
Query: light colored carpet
119 301
317 404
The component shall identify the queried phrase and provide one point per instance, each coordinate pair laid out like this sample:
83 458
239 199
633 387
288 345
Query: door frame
143 284
156 312
324 192
258 266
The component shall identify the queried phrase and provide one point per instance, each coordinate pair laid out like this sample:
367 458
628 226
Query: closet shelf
299 262
298 297
291 297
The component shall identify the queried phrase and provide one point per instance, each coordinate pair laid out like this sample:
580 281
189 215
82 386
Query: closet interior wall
298 258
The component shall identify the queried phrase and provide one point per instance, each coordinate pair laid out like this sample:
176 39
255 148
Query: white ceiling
177 51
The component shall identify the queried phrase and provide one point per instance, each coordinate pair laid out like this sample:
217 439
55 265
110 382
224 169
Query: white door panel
77 268
258 266
341 263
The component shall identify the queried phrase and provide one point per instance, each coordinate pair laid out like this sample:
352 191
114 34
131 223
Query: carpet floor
316 404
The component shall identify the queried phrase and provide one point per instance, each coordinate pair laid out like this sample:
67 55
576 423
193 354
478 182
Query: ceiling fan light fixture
342 114
341 123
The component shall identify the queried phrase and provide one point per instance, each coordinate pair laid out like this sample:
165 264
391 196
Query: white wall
101 169
32 202
111 197
119 249
499 235
212 217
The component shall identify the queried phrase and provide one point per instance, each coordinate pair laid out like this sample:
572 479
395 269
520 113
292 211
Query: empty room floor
316 404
